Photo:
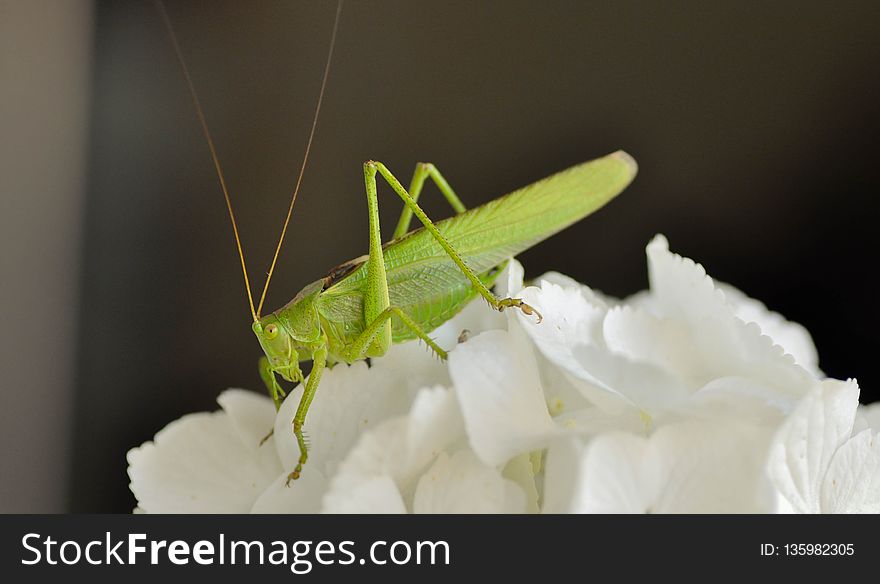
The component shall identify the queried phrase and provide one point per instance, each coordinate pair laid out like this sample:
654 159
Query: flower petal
642 385
610 476
709 467
366 476
433 424
350 400
656 347
463 484
252 415
791 336
743 399
569 317
593 296
396 450
569 334
497 384
300 496
807 441
868 416
691 467
474 319
510 281
378 495
561 468
199 464
523 471
680 287
852 484
722 344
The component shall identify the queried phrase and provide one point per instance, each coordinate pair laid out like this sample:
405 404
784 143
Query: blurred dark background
755 126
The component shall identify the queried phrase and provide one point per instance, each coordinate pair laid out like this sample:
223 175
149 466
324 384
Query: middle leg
359 348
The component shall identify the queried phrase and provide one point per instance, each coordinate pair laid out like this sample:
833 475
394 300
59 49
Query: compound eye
271 331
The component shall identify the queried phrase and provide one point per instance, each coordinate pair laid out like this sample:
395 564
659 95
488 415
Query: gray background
755 125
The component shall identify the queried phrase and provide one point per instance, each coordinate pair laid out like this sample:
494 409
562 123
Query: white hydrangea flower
673 400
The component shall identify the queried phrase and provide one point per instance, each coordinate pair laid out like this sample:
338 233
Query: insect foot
296 471
517 303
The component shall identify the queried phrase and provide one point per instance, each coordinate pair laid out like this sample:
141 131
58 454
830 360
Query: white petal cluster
688 397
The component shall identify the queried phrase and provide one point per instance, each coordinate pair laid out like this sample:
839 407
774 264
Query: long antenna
305 157
195 99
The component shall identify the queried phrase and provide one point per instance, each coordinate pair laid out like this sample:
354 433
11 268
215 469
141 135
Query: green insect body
406 288
420 279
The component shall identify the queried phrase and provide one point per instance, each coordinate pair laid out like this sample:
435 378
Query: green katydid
404 289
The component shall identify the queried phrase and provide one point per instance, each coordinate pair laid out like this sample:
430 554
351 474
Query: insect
404 289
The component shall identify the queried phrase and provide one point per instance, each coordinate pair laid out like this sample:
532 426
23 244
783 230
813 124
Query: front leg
267 374
319 363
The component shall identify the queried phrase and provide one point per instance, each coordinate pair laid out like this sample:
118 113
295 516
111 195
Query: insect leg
268 376
376 293
319 362
423 171
359 348
370 170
